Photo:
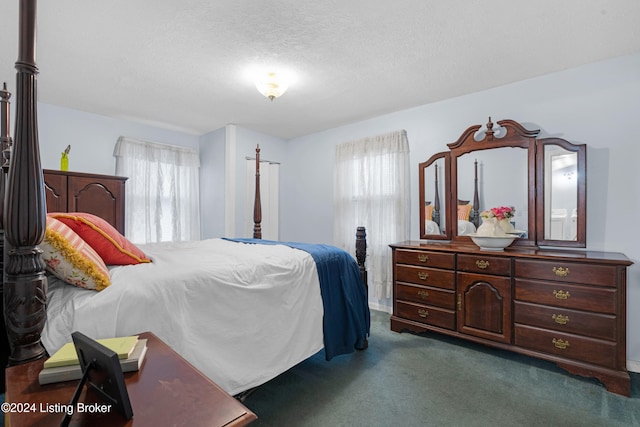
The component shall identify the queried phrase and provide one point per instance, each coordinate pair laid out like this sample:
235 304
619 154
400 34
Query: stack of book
63 365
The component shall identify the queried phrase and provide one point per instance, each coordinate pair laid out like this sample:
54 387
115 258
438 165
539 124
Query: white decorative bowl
492 243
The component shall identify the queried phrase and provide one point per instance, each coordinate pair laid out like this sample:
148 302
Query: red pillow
112 246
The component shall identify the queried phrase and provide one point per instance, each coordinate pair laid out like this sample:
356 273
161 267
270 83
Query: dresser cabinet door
484 306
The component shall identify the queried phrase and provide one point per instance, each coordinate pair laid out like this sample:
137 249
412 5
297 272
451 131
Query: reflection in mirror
434 203
560 194
502 180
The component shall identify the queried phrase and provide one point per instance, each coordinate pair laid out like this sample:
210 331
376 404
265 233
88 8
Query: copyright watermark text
24 407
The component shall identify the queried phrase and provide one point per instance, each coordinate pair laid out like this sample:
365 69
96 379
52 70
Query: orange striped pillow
428 212
113 247
464 211
71 259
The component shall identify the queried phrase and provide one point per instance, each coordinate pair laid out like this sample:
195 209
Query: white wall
92 138
212 184
597 104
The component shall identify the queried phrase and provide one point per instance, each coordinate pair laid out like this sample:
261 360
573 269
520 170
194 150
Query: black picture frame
103 373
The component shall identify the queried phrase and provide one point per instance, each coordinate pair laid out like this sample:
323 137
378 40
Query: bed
242 311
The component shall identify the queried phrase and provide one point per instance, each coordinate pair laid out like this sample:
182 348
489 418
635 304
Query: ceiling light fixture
272 85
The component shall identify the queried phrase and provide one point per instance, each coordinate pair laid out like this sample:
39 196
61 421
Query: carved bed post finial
361 253
257 205
25 286
489 133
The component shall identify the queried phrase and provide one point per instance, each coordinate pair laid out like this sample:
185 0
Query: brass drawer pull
561 272
561 294
422 275
423 313
560 343
423 294
482 263
423 258
560 319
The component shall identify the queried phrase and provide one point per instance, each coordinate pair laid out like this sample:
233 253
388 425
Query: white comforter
240 313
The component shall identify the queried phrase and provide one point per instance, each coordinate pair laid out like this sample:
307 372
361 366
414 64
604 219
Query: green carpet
432 380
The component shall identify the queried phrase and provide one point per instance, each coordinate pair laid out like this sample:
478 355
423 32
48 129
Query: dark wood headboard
100 195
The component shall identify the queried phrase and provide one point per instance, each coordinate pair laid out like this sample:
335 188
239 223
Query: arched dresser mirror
544 180
560 304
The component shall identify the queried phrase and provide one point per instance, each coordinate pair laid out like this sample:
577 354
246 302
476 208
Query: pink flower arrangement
502 212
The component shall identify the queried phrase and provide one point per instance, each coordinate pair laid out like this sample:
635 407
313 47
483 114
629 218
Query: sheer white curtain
162 193
371 188
269 198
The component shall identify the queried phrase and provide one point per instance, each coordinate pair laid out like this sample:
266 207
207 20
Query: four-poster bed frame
23 219
24 216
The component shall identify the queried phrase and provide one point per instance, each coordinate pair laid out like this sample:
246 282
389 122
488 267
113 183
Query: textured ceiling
183 64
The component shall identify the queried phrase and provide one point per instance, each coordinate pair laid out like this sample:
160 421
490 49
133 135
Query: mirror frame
581 169
446 235
514 136
510 134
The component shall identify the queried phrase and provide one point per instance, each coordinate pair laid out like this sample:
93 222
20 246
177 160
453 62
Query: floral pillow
112 246
71 259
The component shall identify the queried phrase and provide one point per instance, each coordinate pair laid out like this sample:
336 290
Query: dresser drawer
602 275
565 320
426 314
425 258
581 297
425 295
571 346
425 276
484 264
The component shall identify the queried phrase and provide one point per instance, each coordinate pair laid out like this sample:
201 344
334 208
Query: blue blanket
346 320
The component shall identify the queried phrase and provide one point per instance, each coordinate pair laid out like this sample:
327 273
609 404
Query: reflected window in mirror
562 193
560 220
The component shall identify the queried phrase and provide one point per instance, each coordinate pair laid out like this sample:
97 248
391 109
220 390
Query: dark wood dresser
100 195
564 306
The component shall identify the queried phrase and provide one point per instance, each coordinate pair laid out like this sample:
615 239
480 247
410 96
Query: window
371 188
162 192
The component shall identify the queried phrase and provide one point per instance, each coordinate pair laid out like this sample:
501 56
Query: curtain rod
261 160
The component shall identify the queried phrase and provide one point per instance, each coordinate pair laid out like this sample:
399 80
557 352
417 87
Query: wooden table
166 391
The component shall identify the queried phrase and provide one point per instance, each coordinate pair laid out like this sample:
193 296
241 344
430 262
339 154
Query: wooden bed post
361 255
25 286
5 147
476 203
436 200
257 204
5 153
